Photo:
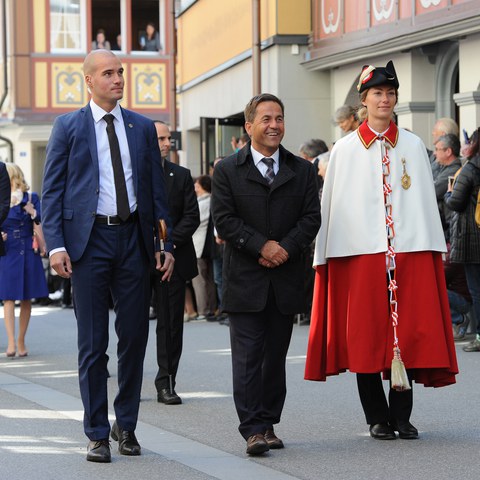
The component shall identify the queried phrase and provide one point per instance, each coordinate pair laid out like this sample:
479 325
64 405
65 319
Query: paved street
41 434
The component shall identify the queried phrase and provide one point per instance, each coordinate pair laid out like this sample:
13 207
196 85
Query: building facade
42 49
311 55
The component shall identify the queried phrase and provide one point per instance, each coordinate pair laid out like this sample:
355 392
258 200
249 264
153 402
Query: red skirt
351 328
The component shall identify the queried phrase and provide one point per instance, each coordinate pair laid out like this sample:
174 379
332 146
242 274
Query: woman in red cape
380 291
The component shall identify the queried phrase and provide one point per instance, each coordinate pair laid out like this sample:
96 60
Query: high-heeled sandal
10 354
24 354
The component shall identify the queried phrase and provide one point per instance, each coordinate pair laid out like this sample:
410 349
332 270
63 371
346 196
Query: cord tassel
399 378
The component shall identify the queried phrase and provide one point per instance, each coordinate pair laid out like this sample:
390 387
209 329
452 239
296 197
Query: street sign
176 141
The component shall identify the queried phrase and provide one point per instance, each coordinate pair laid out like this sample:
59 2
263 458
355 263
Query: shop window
67 25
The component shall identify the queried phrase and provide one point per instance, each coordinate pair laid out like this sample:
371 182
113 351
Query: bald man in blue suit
103 238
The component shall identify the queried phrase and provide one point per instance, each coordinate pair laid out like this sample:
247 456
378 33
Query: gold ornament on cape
406 180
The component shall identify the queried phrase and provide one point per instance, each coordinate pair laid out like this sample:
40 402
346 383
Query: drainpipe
4 41
256 51
5 76
172 101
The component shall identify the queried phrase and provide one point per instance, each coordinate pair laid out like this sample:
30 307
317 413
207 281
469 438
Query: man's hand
274 253
60 262
265 263
167 266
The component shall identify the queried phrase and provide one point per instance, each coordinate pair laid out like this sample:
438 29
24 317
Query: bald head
103 74
92 59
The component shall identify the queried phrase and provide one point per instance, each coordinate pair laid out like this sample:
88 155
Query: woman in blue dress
21 270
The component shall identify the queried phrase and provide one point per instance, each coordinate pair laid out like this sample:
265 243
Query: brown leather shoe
256 444
272 440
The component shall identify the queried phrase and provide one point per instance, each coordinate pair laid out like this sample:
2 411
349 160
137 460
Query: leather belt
114 220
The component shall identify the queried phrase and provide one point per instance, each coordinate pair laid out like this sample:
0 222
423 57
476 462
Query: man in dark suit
265 206
185 218
4 200
103 194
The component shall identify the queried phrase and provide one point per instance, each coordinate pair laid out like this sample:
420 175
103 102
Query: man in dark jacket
4 200
265 206
185 218
447 151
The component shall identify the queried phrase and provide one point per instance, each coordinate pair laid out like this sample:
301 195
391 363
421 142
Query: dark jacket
247 212
4 199
465 235
441 185
185 218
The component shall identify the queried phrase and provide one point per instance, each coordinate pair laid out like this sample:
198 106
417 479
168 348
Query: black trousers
374 401
176 304
259 342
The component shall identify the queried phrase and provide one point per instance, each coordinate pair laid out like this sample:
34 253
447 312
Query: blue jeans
472 273
459 306
217 278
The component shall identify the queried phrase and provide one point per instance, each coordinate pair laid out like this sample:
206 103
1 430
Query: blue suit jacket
71 180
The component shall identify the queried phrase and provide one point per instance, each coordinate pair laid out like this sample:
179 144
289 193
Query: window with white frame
67 25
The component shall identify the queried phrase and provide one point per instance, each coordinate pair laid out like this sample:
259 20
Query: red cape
350 325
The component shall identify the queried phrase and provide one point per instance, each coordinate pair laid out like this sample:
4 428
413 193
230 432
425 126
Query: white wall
305 95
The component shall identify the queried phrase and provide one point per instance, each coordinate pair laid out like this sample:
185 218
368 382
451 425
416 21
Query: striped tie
269 174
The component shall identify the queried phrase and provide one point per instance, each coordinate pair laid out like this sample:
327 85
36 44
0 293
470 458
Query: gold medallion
406 180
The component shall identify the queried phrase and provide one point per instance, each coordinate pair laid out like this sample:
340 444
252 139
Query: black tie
123 207
269 174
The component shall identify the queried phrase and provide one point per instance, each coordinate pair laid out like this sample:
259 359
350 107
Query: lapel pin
130 125
171 174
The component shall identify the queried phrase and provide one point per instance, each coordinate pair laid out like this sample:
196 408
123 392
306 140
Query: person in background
380 296
311 150
118 43
447 151
5 192
346 118
185 218
265 207
238 144
204 242
150 42
100 41
442 126
459 297
217 260
21 269
465 234
103 195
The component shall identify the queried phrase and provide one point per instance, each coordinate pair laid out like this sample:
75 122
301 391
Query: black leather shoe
164 396
405 429
99 451
256 444
382 431
127 442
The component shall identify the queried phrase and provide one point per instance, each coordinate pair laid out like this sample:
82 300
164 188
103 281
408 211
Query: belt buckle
110 222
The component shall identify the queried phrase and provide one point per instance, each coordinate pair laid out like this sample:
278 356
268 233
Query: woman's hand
30 209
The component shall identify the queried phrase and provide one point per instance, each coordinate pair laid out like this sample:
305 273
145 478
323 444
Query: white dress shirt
107 198
262 168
